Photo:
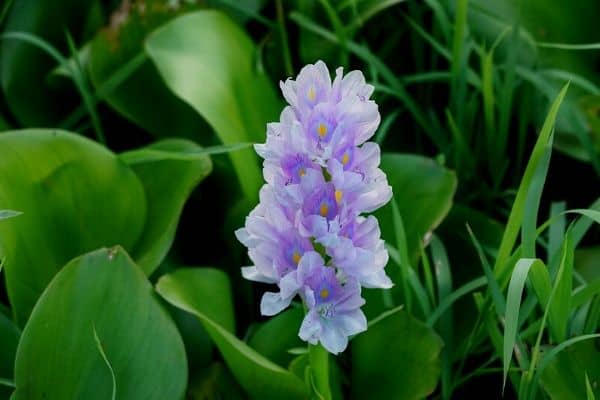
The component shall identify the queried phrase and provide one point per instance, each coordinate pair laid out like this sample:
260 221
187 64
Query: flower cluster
308 235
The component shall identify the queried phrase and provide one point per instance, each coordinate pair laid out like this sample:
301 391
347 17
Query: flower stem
319 367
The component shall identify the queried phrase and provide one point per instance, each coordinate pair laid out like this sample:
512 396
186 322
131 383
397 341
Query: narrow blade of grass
400 234
588 388
145 155
516 215
556 233
513 305
493 286
451 299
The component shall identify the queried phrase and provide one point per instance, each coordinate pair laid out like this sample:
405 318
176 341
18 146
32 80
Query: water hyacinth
308 234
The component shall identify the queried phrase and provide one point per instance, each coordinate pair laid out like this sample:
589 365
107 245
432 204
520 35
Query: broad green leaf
398 357
279 334
24 68
166 196
142 97
564 377
423 191
75 196
102 294
205 292
207 61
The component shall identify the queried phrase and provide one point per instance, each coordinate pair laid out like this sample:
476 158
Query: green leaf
106 293
513 305
205 293
24 68
141 96
423 191
207 61
565 376
166 196
275 337
398 357
75 195
515 220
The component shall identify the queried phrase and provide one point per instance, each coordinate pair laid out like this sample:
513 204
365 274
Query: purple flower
308 235
333 308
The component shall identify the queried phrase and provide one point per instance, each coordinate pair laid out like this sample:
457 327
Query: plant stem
319 366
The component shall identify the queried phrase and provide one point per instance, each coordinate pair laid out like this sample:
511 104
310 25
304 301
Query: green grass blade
402 248
593 317
588 388
513 305
516 215
459 61
532 204
443 278
570 46
493 286
457 294
145 155
556 233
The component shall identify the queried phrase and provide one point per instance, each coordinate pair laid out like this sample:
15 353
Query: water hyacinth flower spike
309 235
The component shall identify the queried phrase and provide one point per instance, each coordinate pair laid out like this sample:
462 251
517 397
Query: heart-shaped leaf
96 329
75 196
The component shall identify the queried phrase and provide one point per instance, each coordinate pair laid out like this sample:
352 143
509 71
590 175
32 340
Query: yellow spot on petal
338 195
324 293
312 94
323 210
296 257
345 159
302 172
322 129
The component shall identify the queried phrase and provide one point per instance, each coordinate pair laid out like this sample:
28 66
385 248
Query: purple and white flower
308 235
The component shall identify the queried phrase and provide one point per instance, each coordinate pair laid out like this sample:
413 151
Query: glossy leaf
166 196
207 61
205 292
423 191
102 294
142 97
398 357
75 196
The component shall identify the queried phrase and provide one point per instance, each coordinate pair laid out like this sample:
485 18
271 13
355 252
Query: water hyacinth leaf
275 337
75 196
142 97
207 61
565 376
384 367
106 293
206 293
165 196
24 67
423 191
